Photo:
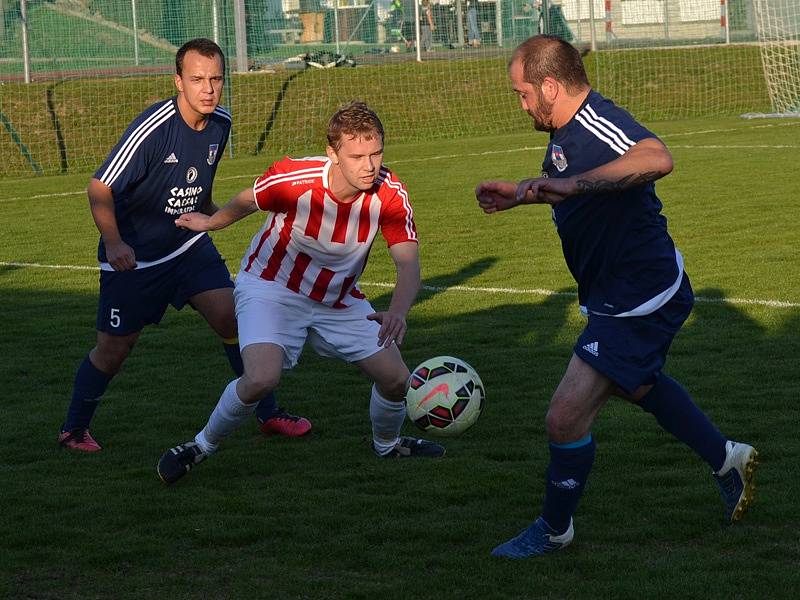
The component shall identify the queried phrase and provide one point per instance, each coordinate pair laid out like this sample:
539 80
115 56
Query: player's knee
261 382
111 352
560 424
394 388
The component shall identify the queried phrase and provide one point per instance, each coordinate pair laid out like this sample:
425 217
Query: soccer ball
445 396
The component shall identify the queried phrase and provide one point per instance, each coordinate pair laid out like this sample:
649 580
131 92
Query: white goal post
778 26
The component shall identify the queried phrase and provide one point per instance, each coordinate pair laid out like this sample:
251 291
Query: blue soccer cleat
538 539
735 479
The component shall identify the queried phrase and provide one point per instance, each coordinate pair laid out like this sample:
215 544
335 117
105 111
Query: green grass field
321 517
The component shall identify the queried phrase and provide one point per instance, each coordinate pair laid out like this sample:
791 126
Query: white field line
462 288
40 196
509 151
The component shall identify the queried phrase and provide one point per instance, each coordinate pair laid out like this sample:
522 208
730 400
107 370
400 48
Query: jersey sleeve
267 188
130 159
397 217
629 127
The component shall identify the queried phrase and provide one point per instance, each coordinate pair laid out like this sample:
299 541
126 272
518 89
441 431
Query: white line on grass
513 150
463 288
446 156
734 146
731 129
23 265
543 292
40 196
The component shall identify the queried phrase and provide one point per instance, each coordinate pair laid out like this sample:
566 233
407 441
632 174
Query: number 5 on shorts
114 321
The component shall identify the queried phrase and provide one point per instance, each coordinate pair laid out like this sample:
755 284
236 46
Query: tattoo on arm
606 185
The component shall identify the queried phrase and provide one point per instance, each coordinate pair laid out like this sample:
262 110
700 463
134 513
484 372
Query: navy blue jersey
615 244
160 169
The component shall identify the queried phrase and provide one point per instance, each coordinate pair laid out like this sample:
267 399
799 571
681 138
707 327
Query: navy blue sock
674 410
234 356
566 478
268 405
90 384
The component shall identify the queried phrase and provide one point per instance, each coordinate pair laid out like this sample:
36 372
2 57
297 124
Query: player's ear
332 155
178 82
549 89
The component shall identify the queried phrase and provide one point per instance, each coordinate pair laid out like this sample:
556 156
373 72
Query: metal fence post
135 35
215 21
26 53
336 24
460 23
240 32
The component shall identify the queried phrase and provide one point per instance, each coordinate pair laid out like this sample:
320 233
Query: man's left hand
545 190
393 327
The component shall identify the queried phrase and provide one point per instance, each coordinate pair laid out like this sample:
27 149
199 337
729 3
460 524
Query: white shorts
267 312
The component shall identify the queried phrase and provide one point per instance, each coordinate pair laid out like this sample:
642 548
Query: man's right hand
120 256
494 196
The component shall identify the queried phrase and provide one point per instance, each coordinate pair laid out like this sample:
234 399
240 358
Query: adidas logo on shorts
592 348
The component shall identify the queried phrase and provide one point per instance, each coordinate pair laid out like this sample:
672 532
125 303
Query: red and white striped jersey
314 244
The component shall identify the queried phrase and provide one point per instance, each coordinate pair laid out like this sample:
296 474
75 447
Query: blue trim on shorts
584 441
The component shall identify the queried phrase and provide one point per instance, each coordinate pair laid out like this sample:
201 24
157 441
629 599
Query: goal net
74 73
779 33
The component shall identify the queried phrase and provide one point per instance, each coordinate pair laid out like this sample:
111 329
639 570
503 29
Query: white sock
387 417
229 413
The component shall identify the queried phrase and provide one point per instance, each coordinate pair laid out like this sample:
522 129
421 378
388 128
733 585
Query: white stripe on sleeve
134 140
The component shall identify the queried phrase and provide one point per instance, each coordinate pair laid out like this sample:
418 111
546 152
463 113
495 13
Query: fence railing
74 72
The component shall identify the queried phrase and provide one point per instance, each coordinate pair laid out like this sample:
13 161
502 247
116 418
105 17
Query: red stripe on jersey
356 293
340 227
279 251
346 284
260 244
321 284
300 265
363 219
315 211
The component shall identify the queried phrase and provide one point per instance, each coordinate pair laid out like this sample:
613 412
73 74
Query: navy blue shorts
631 351
129 300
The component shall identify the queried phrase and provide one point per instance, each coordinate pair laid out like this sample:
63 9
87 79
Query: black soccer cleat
409 447
178 461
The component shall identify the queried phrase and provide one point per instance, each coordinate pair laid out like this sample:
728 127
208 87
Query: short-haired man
598 175
298 282
162 167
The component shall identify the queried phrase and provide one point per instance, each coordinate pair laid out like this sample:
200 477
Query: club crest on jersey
212 153
191 175
559 159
